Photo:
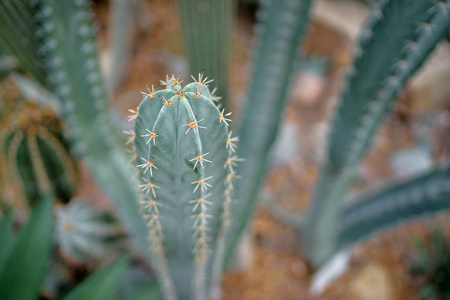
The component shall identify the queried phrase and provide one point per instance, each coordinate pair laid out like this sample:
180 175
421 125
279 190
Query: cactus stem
151 92
147 166
425 27
223 118
148 187
378 14
152 136
442 6
192 125
133 116
199 159
202 184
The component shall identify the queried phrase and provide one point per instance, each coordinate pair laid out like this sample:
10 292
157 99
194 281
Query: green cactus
398 37
70 51
36 155
206 27
85 233
18 35
423 195
184 153
280 29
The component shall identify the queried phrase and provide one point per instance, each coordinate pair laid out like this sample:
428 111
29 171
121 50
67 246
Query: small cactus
37 158
85 233
184 153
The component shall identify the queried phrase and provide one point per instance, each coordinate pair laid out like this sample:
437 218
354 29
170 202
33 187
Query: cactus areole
184 154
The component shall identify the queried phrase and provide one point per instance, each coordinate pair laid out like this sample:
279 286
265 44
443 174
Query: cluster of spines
200 206
149 204
150 207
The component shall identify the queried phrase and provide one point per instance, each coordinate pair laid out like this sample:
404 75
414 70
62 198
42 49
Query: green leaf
5 236
102 284
26 260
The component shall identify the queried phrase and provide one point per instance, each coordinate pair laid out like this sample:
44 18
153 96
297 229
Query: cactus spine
184 153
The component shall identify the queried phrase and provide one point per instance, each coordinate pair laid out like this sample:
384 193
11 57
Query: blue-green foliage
397 38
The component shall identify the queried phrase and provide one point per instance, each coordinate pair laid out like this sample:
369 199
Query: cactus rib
182 157
423 195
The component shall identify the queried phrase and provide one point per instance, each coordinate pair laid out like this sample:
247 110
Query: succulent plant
281 27
396 40
206 27
185 156
36 155
84 232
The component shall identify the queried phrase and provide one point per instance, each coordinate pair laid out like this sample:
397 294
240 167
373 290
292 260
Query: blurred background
409 261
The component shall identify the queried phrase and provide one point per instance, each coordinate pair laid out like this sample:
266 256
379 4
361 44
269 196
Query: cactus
84 232
18 35
398 37
24 259
281 27
423 195
36 155
206 27
69 49
184 153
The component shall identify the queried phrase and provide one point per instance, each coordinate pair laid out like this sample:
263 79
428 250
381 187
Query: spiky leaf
102 284
26 260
